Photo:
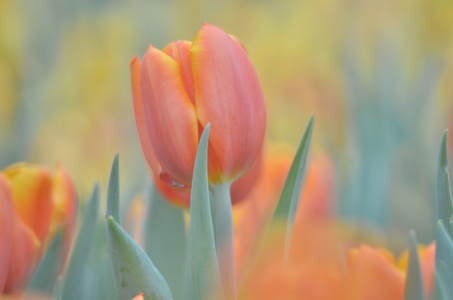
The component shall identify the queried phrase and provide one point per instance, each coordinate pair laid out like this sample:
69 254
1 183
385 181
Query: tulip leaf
415 288
440 289
47 271
202 277
56 292
444 202
74 271
113 193
444 258
166 248
134 271
289 199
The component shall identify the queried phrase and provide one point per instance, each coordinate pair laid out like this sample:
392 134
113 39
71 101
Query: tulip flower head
34 207
178 91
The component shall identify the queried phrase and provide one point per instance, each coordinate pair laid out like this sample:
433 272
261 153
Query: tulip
36 206
178 91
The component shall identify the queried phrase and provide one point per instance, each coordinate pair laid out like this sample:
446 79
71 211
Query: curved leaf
289 199
134 271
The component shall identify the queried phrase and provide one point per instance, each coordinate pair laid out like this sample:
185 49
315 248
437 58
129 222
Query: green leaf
202 276
289 199
444 259
165 240
444 202
415 288
113 193
134 270
56 292
77 261
47 271
442 282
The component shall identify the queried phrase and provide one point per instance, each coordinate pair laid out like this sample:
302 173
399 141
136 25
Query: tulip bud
36 206
178 91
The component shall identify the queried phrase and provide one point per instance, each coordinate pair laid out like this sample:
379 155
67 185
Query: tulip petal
180 52
32 192
140 122
171 119
228 95
5 229
25 247
64 199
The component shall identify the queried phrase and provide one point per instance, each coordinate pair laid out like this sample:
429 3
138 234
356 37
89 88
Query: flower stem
223 228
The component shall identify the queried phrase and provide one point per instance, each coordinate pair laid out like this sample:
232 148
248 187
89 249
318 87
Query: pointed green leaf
134 271
443 191
113 193
444 259
56 293
289 199
166 248
202 273
45 276
415 288
77 261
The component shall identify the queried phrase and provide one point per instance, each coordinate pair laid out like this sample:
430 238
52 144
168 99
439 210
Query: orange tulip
36 206
178 91
317 200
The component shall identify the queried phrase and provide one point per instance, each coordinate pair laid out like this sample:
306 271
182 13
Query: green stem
223 228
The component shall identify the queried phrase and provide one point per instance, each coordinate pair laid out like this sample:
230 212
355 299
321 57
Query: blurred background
377 75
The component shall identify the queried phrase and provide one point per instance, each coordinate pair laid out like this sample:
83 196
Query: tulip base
223 229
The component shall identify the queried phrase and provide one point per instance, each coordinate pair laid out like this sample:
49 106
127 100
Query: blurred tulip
39 206
138 297
317 200
178 91
372 274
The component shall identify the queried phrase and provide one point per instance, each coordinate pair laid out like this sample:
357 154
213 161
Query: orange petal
241 188
427 261
317 200
65 206
180 52
228 95
25 248
138 297
179 198
32 194
372 276
171 119
140 122
6 215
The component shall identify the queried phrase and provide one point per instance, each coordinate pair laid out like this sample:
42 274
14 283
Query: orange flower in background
317 200
178 91
36 206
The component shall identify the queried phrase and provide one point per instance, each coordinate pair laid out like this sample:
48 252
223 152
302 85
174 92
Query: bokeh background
377 75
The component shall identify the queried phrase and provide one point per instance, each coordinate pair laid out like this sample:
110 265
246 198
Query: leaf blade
202 275
74 271
289 198
414 287
113 193
134 271
444 202
167 249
